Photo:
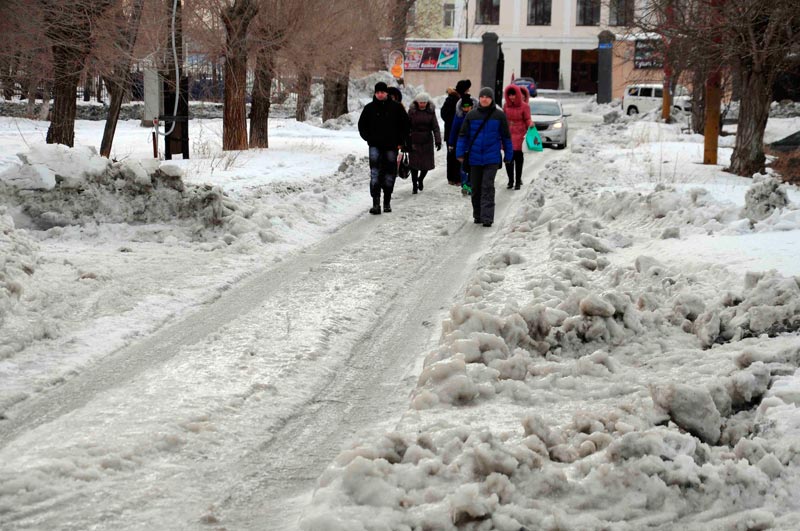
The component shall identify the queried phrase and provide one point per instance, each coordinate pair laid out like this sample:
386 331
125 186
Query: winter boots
376 206
387 203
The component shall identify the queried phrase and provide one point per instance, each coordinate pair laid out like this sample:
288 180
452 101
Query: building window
449 18
588 13
620 13
488 12
539 12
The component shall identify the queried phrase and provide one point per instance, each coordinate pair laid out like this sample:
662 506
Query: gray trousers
482 182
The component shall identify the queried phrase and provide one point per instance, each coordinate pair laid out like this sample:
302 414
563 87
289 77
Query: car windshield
546 108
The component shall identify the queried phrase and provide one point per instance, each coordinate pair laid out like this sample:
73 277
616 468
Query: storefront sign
432 56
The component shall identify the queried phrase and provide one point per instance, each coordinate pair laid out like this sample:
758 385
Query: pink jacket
518 115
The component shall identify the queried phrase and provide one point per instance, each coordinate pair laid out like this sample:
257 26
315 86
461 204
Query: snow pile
769 304
585 384
18 261
764 197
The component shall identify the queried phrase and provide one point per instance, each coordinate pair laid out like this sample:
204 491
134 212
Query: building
553 41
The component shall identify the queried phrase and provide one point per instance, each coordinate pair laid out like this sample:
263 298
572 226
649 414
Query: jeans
382 171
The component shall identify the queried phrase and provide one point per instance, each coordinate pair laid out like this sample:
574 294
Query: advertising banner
432 56
646 54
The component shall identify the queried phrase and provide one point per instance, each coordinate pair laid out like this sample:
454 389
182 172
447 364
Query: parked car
645 97
548 116
528 83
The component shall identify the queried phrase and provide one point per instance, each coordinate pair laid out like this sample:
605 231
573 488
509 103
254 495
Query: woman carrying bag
518 113
424 136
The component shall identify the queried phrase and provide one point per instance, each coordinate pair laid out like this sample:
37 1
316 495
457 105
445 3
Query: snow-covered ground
623 356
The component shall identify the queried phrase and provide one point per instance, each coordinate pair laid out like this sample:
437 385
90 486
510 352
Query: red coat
518 115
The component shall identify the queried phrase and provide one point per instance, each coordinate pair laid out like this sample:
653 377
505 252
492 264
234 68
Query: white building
553 41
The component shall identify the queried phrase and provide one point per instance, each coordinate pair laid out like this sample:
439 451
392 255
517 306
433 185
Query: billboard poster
432 56
646 54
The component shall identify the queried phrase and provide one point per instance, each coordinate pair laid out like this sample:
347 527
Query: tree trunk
698 101
303 94
259 109
748 152
399 23
116 91
121 77
69 28
334 102
236 19
67 72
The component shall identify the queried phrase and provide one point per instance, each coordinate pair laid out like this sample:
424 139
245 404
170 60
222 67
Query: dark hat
486 91
463 86
466 102
380 86
395 92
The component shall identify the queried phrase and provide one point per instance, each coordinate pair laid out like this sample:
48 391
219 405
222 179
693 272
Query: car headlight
557 125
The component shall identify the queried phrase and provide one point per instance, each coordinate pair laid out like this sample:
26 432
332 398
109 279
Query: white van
645 97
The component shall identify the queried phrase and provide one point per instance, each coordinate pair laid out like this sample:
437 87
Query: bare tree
755 39
119 79
236 18
398 22
69 27
277 21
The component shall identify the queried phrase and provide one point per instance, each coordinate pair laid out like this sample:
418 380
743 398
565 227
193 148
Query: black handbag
403 168
465 163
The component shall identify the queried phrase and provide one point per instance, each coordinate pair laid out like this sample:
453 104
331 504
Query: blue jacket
458 121
493 137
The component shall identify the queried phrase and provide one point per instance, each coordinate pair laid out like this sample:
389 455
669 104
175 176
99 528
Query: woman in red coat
518 113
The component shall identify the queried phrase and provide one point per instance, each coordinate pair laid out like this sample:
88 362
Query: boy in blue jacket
483 134
465 105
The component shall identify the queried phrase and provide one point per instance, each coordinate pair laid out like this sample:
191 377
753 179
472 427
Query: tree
69 27
277 20
236 19
119 79
756 40
398 22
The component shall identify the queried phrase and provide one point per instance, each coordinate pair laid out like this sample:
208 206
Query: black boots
387 203
519 183
376 206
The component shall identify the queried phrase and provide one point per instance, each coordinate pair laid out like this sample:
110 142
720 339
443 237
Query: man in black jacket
384 124
448 114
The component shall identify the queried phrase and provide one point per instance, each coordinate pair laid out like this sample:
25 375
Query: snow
624 354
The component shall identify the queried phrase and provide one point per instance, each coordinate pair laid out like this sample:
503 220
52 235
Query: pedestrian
483 134
424 137
465 105
395 94
448 114
518 114
384 124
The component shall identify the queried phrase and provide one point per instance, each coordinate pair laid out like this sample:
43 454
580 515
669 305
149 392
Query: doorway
542 66
584 71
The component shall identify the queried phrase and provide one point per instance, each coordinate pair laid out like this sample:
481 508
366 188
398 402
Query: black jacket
384 124
448 112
